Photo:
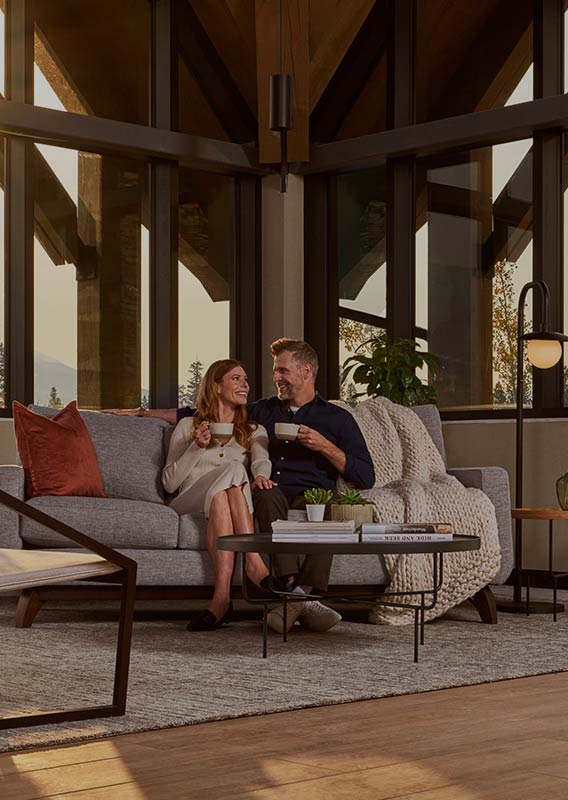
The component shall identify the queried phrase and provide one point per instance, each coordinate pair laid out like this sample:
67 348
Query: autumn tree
353 335
505 337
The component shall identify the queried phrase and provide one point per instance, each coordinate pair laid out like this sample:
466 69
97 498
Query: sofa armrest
11 481
494 482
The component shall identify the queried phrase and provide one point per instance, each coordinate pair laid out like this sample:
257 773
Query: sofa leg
29 603
485 605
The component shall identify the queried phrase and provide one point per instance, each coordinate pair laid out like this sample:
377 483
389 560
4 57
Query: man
329 445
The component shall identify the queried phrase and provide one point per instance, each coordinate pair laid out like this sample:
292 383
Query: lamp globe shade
543 353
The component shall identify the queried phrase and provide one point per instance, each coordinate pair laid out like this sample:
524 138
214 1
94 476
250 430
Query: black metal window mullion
548 189
321 319
163 187
19 210
401 183
246 284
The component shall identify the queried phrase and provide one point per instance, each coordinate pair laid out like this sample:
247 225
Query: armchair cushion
12 481
494 482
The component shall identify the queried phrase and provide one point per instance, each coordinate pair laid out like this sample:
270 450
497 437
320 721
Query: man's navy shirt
295 467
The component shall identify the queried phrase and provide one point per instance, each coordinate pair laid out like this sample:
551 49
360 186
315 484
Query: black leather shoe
207 621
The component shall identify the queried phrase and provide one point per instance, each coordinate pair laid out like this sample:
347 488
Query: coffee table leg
285 620
416 626
264 630
528 594
422 619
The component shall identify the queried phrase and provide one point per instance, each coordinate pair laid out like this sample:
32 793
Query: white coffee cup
286 431
222 431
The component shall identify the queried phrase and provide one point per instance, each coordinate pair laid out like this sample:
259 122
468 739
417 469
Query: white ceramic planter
315 512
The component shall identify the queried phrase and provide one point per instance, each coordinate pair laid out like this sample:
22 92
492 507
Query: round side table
549 514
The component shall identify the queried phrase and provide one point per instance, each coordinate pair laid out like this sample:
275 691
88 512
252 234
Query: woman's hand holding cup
202 436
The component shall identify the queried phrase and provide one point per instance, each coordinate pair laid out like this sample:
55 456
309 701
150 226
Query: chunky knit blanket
411 485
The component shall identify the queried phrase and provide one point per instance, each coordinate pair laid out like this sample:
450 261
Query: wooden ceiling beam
218 19
351 75
490 69
296 62
342 28
213 77
95 134
495 126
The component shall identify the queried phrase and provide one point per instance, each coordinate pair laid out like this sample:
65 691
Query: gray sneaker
317 617
275 617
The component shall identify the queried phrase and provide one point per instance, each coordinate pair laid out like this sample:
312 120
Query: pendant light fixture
281 109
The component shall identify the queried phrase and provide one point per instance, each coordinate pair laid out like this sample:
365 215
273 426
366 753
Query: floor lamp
544 350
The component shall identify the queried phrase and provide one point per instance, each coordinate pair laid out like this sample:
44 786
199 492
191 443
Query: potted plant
389 370
350 504
316 501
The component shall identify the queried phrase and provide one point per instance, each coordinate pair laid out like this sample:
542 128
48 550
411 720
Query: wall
492 443
282 266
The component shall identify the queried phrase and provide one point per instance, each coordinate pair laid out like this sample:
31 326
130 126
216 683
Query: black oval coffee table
419 601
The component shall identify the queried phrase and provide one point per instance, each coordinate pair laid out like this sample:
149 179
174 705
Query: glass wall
361 212
473 255
206 266
90 62
88 263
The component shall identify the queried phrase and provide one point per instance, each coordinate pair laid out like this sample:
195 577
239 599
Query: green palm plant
389 370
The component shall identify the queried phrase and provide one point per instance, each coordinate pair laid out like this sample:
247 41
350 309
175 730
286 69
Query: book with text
324 538
406 537
407 527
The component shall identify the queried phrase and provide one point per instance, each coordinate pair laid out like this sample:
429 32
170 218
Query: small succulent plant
351 497
318 497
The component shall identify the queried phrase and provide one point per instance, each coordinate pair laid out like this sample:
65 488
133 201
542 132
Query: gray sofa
171 551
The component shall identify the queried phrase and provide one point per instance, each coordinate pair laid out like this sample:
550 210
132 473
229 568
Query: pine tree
187 393
54 399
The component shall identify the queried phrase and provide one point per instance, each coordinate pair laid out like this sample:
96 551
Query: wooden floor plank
494 741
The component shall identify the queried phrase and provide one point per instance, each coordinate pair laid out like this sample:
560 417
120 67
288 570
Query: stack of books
284 530
406 532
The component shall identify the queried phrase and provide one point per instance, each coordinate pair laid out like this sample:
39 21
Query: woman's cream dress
200 473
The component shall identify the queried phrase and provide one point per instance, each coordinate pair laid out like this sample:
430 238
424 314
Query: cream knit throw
411 485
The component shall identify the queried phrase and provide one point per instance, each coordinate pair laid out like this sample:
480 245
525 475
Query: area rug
177 678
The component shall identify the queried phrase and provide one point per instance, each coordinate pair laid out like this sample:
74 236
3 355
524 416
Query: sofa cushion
57 454
193 532
114 522
130 452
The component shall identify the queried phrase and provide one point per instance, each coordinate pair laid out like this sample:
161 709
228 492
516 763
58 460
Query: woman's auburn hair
208 402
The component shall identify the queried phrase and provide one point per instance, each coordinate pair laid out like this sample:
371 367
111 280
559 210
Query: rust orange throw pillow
57 454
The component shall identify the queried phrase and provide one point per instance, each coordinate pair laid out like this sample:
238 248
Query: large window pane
361 240
353 338
93 59
472 56
206 259
88 267
474 254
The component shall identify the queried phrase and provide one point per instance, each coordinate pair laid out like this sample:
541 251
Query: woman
212 478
